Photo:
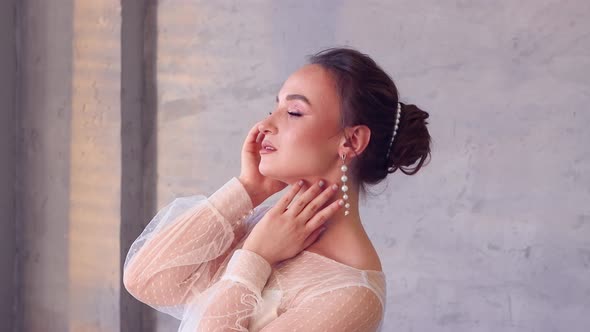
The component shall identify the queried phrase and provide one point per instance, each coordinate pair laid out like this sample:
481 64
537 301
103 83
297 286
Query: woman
226 263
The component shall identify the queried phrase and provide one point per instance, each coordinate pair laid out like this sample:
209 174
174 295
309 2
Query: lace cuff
248 268
232 201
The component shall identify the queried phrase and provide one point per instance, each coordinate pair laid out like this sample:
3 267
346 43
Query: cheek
312 152
305 141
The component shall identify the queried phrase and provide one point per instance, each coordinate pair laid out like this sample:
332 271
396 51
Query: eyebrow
297 97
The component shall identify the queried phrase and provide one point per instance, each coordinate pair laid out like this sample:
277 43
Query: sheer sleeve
233 300
353 308
180 252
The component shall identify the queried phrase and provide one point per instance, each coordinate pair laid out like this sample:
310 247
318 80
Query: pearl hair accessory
396 125
344 187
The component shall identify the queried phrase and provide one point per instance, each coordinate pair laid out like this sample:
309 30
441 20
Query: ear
355 140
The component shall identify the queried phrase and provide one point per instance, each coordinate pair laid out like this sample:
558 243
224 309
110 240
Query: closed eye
294 114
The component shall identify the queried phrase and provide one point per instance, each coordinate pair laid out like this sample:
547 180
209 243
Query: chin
267 171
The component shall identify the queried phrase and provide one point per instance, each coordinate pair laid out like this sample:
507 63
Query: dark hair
369 97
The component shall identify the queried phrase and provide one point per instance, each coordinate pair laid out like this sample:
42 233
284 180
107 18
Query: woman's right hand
258 186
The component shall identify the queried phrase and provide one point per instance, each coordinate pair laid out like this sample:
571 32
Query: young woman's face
304 128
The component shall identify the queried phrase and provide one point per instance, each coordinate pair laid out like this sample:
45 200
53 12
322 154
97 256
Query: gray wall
492 235
7 163
69 166
43 168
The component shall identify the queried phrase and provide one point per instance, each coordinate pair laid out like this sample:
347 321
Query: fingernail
341 202
334 187
323 229
300 182
321 184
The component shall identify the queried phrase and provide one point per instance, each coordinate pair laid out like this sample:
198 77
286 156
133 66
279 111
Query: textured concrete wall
43 170
138 83
95 167
493 234
69 166
7 164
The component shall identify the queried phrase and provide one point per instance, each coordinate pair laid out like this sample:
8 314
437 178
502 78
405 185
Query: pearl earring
344 187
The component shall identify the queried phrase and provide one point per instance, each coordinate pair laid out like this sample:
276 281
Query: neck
341 227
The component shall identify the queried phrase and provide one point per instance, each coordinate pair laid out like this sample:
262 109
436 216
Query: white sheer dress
188 262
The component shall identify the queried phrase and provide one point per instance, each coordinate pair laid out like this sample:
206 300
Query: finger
284 202
301 202
253 134
259 137
312 207
313 237
250 143
324 215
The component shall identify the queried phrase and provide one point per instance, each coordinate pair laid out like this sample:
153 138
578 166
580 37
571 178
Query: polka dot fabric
189 262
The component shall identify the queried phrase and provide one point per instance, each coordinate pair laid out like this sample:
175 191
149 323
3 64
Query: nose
267 126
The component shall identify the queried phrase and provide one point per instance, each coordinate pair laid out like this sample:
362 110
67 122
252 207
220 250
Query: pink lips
267 147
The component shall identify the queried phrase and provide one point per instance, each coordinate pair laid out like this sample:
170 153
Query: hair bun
412 141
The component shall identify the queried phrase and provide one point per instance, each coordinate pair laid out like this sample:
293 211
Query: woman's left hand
283 233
